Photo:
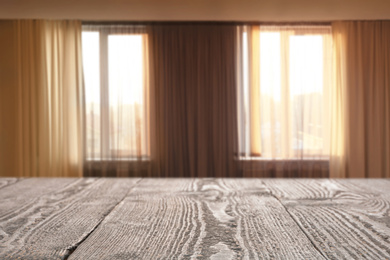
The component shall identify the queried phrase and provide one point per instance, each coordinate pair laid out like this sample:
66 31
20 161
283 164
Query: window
115 94
283 105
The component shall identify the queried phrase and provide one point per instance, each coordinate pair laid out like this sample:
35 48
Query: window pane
294 80
270 93
91 64
270 60
126 96
306 88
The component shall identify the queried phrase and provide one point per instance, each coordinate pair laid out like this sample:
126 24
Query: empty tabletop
128 218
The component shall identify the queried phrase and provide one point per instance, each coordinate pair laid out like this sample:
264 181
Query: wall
8 94
210 10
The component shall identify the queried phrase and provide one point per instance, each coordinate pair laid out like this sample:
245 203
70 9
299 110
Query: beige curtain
49 95
284 100
361 135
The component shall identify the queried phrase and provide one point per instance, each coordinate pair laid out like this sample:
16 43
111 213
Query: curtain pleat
49 98
361 136
193 94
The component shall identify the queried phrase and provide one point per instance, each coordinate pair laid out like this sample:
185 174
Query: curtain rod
200 23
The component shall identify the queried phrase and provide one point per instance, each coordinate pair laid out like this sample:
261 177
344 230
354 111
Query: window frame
252 151
105 151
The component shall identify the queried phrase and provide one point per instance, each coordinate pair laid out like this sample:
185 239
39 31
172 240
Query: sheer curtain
362 79
49 89
285 79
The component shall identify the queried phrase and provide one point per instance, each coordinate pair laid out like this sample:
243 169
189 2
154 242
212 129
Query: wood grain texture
7 181
48 218
198 219
23 194
194 219
344 219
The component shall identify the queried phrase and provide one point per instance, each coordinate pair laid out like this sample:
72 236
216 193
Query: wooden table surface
92 218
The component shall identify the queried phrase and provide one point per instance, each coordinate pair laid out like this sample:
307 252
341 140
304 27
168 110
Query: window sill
126 167
265 159
118 160
292 167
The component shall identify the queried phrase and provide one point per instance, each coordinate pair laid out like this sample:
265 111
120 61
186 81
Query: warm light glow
91 63
306 64
91 69
125 69
270 65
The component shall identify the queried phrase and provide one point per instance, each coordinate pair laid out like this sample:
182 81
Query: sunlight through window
116 117
294 78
